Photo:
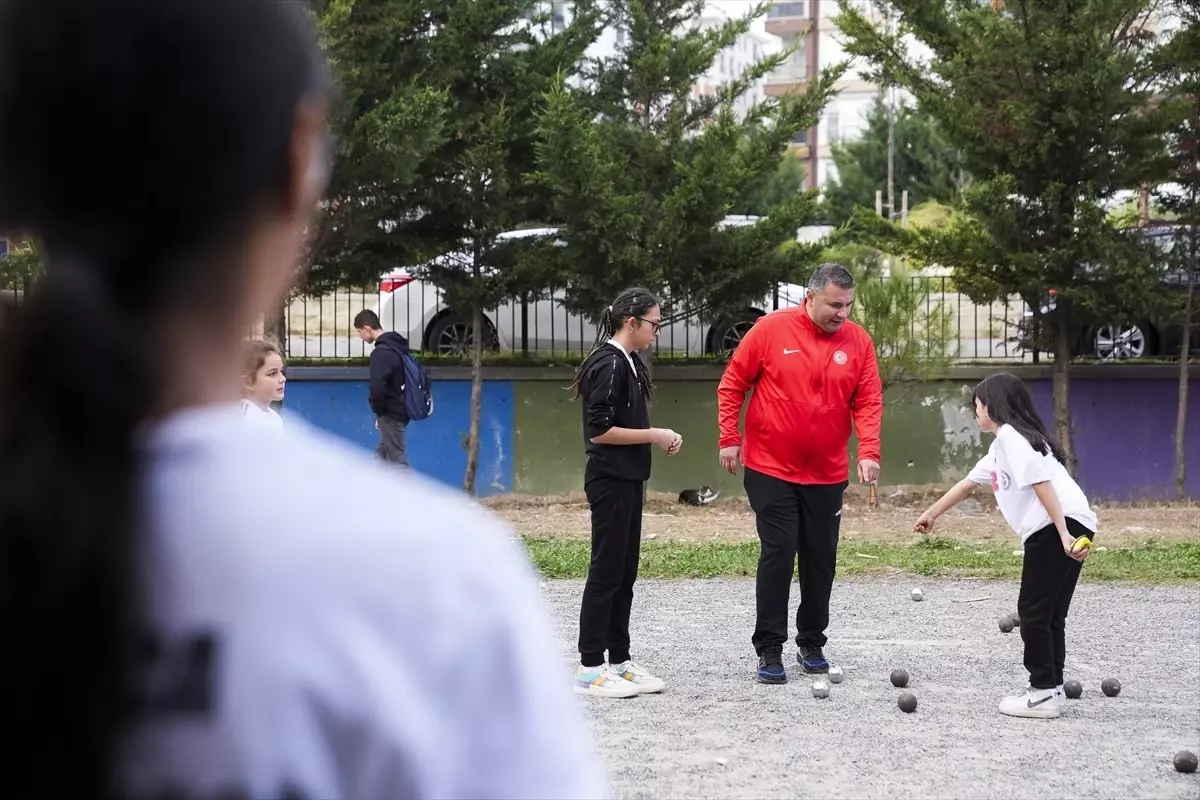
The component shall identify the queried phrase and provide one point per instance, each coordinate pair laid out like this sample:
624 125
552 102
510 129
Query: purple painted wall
1124 433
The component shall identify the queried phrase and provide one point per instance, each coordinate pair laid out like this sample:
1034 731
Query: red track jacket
808 387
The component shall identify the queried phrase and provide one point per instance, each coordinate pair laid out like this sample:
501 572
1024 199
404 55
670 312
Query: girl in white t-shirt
263 381
174 624
1049 512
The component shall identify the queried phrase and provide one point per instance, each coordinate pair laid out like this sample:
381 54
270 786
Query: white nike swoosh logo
787 352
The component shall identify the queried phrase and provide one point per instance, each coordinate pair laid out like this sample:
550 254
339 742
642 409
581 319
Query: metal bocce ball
1006 625
1185 761
907 702
1110 687
836 675
918 595
820 689
899 678
1073 689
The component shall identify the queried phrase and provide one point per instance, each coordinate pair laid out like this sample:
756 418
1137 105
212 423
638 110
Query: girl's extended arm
958 492
625 436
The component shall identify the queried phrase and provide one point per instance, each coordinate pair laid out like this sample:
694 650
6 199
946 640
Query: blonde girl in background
263 382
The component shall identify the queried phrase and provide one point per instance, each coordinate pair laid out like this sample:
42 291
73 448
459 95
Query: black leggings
1048 578
616 544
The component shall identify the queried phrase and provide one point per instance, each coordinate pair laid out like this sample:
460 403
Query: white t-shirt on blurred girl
1011 467
257 415
305 645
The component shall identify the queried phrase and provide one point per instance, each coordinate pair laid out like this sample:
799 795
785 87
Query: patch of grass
567 557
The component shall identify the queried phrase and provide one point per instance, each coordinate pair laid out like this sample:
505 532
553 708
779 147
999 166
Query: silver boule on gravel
836 674
820 689
1006 625
899 678
1073 689
1110 687
1016 619
1185 761
918 595
907 702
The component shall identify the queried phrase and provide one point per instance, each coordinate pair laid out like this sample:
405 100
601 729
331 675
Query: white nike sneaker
639 677
1060 697
1032 704
601 681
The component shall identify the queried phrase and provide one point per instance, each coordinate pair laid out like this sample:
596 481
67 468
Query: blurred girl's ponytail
140 141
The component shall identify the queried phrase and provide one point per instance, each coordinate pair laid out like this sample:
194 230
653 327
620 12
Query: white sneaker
639 677
1032 704
1060 697
601 681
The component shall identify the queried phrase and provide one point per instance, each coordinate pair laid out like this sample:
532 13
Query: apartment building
808 27
729 64
750 48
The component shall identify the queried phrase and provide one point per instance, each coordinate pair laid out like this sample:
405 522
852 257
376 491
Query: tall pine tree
1049 103
435 129
641 173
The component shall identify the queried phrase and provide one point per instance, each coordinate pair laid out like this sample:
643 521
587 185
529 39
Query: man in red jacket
814 373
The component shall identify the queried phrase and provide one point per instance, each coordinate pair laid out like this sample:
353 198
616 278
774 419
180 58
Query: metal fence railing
322 327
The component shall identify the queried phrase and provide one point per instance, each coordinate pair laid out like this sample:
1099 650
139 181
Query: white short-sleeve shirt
309 645
1011 467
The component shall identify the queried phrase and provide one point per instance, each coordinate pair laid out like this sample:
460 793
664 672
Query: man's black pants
794 520
616 507
1048 578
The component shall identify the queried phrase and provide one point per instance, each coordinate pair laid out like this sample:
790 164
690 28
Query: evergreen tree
1049 103
435 137
1179 60
785 183
641 174
923 163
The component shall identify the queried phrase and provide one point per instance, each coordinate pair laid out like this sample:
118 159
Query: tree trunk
476 399
1061 381
1185 350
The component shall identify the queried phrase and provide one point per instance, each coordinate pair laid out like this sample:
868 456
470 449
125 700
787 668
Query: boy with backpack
399 390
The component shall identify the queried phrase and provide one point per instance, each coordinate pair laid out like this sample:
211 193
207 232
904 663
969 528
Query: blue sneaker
812 659
770 668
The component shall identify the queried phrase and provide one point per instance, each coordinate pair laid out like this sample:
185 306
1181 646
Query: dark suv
1111 339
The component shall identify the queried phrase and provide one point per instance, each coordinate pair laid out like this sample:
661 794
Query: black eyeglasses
657 325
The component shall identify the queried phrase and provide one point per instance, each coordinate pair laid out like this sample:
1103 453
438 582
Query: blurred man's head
830 296
367 325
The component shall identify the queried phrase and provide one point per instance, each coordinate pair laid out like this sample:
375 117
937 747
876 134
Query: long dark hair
633 303
1009 402
139 142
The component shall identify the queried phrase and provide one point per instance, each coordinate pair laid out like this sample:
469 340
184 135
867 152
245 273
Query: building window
833 126
788 10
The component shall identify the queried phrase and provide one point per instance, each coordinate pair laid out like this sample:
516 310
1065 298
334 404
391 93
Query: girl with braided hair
615 385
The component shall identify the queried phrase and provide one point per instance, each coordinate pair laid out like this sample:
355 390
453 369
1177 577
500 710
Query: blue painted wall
437 445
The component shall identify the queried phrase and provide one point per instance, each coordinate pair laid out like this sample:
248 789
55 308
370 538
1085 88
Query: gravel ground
715 732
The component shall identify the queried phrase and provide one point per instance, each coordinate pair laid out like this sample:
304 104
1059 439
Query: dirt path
716 733
976 520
